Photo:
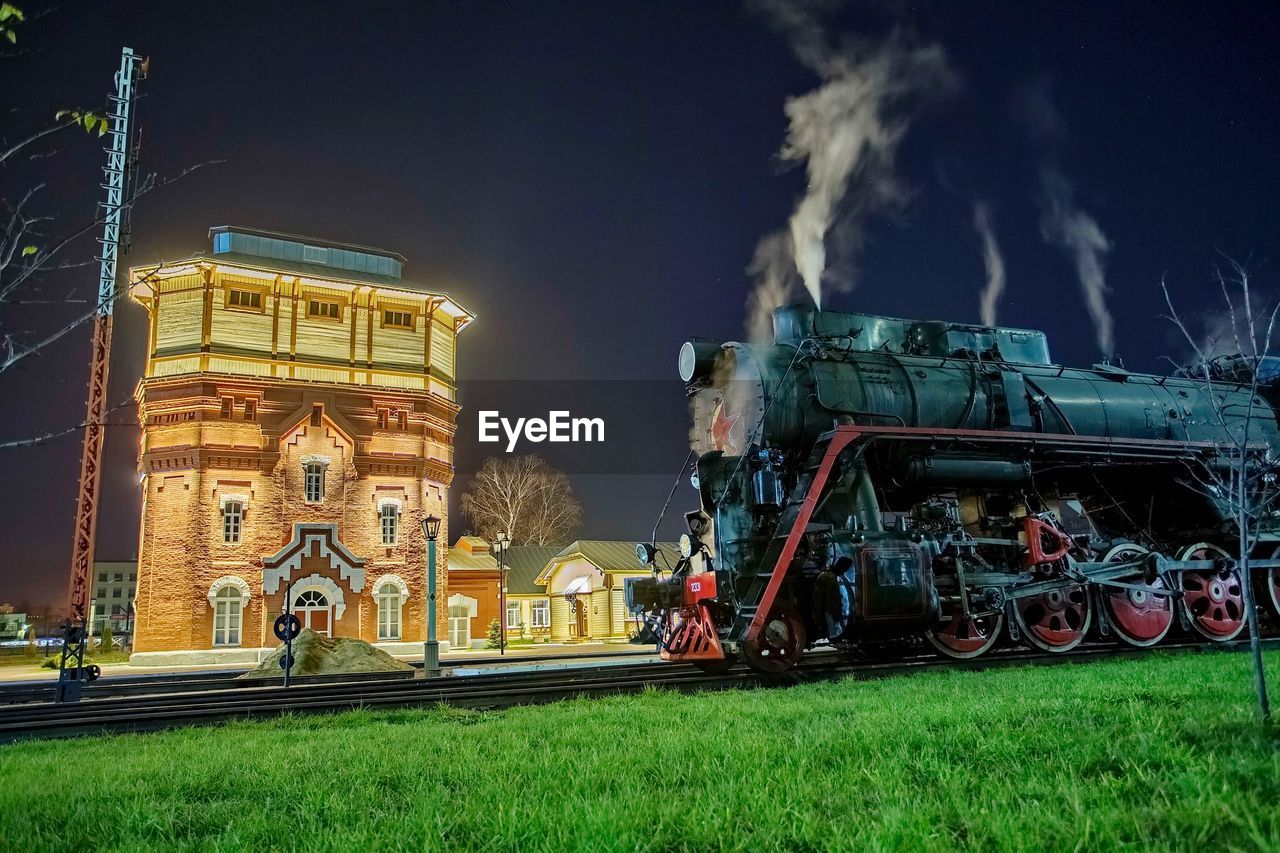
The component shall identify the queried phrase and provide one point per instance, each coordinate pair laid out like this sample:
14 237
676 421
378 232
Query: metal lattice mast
113 209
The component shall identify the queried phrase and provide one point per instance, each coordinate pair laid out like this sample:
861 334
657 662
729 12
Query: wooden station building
298 413
572 593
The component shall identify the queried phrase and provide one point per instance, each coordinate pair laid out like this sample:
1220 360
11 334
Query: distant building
298 412
114 586
13 626
569 594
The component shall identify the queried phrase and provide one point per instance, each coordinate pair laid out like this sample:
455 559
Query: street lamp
431 649
501 547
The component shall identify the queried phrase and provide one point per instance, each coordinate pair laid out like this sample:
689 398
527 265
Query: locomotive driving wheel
1055 621
780 643
1214 598
1140 617
1273 584
965 637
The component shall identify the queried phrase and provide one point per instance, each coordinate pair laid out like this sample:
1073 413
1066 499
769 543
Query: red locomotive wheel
1141 617
965 637
780 643
1057 620
1214 598
1273 584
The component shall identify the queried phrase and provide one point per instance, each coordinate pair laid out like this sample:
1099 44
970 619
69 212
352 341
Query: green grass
1163 752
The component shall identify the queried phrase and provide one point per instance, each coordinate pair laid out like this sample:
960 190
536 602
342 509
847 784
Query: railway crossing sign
287 627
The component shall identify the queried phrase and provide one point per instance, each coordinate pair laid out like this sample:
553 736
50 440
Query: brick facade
238 428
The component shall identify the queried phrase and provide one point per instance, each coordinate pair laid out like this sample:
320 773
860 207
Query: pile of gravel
316 654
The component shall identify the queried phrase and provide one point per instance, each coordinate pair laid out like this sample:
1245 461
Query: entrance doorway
459 626
579 623
313 609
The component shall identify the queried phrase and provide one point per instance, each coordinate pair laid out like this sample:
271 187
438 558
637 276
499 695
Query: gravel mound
316 654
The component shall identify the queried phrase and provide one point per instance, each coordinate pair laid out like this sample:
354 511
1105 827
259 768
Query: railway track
192 681
487 691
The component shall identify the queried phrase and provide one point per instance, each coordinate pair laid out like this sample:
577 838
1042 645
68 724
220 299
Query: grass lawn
1163 752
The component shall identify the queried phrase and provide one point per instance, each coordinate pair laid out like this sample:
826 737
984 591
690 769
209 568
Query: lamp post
501 547
431 649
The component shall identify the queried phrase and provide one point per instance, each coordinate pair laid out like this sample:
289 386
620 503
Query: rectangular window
390 524
250 410
382 418
402 421
398 319
513 615
324 309
115 593
244 300
102 577
133 578
119 578
317 415
232 522
315 254
540 615
314 485
228 406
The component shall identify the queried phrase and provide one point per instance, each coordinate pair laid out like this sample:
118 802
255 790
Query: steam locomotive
870 482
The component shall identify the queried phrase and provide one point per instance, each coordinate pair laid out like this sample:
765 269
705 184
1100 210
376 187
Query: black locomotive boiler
867 482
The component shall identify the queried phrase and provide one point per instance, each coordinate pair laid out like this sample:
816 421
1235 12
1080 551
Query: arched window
228 610
389 601
228 596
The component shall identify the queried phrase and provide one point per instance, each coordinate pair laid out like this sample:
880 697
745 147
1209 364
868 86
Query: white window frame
513 605
313 482
389 524
540 607
390 611
232 522
228 617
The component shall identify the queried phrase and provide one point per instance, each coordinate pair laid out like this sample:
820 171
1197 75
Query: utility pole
71 671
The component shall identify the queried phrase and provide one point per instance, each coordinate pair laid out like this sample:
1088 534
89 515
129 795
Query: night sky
592 179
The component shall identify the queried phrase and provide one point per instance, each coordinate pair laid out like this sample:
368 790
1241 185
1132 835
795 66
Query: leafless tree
1244 482
34 242
523 496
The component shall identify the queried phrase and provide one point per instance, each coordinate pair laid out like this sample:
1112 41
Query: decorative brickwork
214 435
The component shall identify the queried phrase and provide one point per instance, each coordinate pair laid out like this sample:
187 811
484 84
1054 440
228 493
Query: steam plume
846 131
1070 227
994 262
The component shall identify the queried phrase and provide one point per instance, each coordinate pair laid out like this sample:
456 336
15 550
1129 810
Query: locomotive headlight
687 545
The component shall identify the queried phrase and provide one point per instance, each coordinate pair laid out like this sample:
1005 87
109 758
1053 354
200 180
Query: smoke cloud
1062 222
846 134
1066 225
993 261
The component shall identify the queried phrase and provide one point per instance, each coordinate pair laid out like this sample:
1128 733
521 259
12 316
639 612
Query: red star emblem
722 426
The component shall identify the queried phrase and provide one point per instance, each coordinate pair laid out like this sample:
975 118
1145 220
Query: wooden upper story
284 307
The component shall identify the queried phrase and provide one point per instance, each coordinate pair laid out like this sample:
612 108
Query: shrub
104 642
494 640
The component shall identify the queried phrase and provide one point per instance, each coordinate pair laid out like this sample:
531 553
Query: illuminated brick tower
298 413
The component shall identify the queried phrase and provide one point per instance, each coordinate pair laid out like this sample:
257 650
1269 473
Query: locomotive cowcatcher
870 482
